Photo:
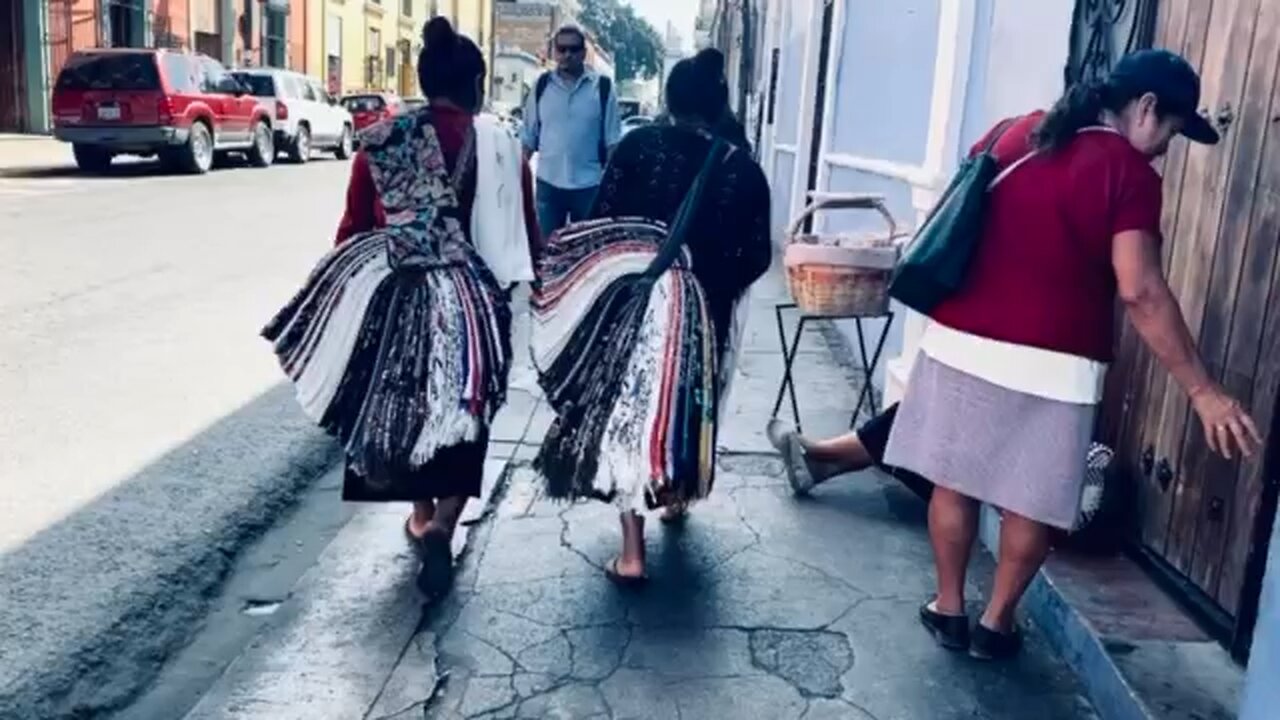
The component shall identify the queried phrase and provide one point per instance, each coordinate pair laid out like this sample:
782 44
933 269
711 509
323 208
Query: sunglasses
569 49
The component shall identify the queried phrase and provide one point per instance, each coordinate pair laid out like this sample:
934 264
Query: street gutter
94 605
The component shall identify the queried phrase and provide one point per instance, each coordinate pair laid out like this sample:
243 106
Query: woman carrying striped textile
638 375
399 343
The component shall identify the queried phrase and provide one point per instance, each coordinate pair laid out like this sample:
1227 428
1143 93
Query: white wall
1018 52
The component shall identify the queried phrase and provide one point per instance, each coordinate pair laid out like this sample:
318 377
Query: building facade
353 46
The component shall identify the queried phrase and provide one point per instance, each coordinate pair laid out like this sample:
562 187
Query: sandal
626 581
436 575
674 513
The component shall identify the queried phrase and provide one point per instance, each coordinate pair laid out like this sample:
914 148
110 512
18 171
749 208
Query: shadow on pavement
98 601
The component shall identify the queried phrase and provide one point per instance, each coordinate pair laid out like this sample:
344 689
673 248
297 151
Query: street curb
100 600
1075 639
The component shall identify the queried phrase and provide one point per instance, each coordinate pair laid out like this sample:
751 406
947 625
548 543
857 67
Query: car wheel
300 149
197 155
263 150
91 159
345 145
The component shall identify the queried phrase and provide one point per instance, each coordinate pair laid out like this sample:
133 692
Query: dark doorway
13 68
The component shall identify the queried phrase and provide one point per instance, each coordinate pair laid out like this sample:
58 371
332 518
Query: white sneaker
802 472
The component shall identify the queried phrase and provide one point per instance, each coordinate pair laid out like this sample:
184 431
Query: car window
364 103
110 71
321 94
308 92
259 85
181 72
214 73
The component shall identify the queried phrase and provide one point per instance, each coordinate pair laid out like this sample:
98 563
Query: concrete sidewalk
759 606
25 153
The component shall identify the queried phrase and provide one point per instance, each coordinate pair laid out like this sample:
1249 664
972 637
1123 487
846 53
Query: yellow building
373 44
365 44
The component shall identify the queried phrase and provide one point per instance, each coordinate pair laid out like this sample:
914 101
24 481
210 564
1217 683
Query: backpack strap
540 89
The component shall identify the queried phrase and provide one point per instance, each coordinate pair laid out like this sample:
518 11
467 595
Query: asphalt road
129 311
146 429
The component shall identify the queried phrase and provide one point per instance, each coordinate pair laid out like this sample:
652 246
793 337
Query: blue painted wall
791 76
781 210
884 80
1261 689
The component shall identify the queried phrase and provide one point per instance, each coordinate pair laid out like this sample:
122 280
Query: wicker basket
841 275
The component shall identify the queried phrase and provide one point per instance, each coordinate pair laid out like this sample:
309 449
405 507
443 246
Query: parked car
369 108
181 107
306 116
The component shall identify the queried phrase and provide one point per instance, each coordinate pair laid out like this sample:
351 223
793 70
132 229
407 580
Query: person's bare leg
631 562
421 516
1024 545
845 451
447 512
953 526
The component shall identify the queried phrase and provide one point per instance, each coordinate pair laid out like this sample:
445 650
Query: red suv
181 107
368 108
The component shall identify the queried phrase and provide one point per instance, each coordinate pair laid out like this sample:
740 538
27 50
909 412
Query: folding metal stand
791 349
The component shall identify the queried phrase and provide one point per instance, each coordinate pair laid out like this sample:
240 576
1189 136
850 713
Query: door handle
1148 460
1164 474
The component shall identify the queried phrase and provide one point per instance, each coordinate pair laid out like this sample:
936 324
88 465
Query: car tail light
164 109
282 110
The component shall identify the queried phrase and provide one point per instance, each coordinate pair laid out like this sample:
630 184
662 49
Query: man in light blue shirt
571 120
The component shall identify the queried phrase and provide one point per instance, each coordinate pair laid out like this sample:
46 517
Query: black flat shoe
436 574
990 645
951 631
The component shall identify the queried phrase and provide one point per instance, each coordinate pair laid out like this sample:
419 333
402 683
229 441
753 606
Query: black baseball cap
1172 79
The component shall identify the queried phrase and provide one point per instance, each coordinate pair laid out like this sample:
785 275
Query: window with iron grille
406 8
275 25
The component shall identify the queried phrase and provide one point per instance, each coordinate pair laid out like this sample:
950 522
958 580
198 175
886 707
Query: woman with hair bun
726 234
399 343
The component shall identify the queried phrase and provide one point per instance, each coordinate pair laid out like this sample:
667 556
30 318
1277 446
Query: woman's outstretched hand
1227 427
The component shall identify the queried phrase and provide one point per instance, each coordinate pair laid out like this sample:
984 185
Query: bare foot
625 572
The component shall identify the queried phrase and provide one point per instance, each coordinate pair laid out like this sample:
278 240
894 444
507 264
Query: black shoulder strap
606 88
687 211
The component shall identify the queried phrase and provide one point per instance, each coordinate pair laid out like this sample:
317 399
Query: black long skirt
456 471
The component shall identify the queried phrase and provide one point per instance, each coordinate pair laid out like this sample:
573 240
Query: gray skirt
1021 453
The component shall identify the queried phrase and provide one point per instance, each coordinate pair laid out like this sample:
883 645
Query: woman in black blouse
648 176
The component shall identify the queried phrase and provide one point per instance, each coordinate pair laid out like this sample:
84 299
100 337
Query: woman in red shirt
1002 396
400 344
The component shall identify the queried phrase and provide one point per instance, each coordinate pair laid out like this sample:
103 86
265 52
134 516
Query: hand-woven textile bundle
397 344
628 363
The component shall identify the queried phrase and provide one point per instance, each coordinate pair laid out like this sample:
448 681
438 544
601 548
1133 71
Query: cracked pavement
760 605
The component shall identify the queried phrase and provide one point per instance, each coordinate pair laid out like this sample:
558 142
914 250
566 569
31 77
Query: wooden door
1222 228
